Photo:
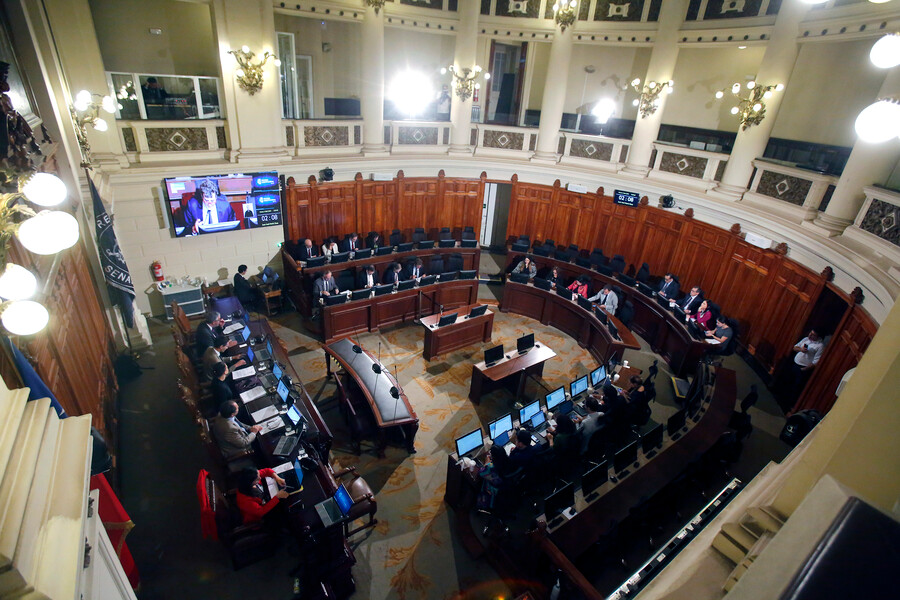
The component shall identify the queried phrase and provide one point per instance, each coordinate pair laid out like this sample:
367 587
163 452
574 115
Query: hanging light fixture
17 283
411 92
48 232
650 93
24 317
85 110
564 13
464 83
250 72
752 106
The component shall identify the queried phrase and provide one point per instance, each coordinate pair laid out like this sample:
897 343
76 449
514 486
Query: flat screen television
626 198
492 355
469 442
236 201
555 398
500 426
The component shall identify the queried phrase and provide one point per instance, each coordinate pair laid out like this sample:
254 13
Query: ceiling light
411 92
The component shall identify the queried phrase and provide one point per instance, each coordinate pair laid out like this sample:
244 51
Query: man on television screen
207 207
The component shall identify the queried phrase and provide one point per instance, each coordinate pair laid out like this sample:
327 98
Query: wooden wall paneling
416 204
377 207
567 216
624 231
742 281
702 254
530 210
464 198
658 241
843 352
334 209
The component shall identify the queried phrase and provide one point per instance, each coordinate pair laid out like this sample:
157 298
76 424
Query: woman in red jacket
580 286
703 316
250 494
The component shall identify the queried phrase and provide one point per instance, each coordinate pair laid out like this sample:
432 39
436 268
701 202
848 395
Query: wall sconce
752 107
564 13
376 4
85 110
464 80
650 93
250 74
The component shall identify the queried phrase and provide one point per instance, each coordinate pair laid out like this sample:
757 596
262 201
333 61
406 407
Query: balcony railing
687 166
795 194
150 141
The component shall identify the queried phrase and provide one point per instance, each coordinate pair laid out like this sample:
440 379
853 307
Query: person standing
809 351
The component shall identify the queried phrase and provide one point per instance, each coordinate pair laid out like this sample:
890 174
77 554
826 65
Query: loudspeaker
667 201
326 174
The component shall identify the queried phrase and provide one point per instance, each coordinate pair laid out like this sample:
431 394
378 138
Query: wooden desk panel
531 363
464 332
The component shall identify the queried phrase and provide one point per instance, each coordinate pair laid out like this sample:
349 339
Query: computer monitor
427 280
601 314
629 281
584 302
559 501
528 411
696 330
679 313
644 288
594 478
340 257
449 275
613 330
538 419
500 426
555 398
251 355
652 439
564 292
406 285
364 253
277 371
425 244
625 457
381 290
525 343
335 299
469 274
598 375
664 302
502 439
579 386
316 261
343 500
519 278
446 243
269 348
542 283
360 294
447 319
405 247
478 311
676 422
283 390
469 442
566 407
294 415
469 243
492 355
245 333
383 250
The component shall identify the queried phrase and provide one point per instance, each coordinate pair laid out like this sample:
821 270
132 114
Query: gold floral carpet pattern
413 552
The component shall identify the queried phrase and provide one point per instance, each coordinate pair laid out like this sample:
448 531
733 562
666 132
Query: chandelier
650 94
751 106
85 110
250 72
464 80
376 4
564 13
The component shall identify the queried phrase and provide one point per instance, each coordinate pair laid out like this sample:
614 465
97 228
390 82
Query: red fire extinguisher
156 269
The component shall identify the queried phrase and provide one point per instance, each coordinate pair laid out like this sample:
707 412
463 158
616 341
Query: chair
581 261
360 422
455 262
643 274
221 519
740 421
551 244
182 321
469 233
223 463
626 313
617 264
563 255
597 257
419 235
445 234
363 497
573 249
396 238
436 266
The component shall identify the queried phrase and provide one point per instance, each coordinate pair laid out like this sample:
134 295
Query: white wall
426 53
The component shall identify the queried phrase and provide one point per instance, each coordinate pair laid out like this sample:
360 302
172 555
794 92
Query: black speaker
326 174
667 201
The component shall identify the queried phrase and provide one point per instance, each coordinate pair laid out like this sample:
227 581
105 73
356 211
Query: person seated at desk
308 251
643 274
554 278
668 287
690 303
374 241
329 247
580 286
221 387
250 494
415 269
591 423
213 356
324 286
722 334
607 299
526 266
564 439
207 207
492 473
367 278
703 316
524 452
233 436
208 330
245 292
392 274
351 244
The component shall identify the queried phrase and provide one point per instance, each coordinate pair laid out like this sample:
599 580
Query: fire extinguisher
156 269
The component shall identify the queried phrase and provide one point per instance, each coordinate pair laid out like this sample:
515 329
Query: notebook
252 394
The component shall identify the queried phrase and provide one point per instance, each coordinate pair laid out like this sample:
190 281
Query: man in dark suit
308 250
690 303
351 244
208 330
414 269
524 452
392 274
374 241
221 390
207 207
324 286
668 287
242 288
367 278
233 436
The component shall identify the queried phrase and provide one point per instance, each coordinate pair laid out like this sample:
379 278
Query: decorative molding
689 213
784 187
357 135
289 135
882 219
683 164
220 138
827 274
505 140
736 229
593 150
176 139
128 138
857 295
781 248
325 136
417 135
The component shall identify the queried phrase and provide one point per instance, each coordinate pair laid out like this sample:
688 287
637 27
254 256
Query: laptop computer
335 509
265 353
539 422
270 380
241 336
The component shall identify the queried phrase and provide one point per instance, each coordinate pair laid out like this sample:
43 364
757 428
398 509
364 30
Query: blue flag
33 381
118 279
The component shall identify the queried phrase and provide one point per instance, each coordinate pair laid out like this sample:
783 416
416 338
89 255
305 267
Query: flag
37 388
118 279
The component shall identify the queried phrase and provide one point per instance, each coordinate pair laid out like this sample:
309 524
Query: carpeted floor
413 552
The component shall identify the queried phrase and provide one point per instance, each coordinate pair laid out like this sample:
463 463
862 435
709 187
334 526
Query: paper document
264 413
712 341
252 394
272 424
233 327
283 467
273 487
245 372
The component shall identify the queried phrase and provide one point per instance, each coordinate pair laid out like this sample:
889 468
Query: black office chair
445 234
419 235
563 255
643 274
396 238
550 244
582 261
436 266
597 257
617 264
740 421
573 249
625 313
455 262
469 233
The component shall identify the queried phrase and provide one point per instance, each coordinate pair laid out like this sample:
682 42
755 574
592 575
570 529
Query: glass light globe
477 86
886 52
277 62
487 76
878 122
411 92
443 70
245 49
25 317
239 72
604 109
735 88
734 110
81 106
751 85
49 232
756 107
477 69
720 94
779 87
636 81
45 189
17 283
109 104
83 97
652 85
767 95
100 124
635 102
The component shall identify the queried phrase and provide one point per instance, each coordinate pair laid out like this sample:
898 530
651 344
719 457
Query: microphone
395 392
376 367
357 349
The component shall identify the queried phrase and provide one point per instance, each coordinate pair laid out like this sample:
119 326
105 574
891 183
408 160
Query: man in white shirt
809 351
606 298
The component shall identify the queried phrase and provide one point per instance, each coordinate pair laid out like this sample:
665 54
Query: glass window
165 97
126 95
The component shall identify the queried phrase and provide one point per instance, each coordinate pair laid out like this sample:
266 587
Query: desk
458 335
667 335
514 366
223 286
566 315
299 280
347 319
375 388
